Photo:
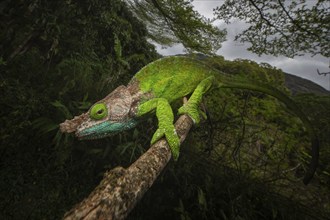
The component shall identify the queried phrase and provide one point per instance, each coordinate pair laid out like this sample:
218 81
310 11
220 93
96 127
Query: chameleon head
105 118
101 124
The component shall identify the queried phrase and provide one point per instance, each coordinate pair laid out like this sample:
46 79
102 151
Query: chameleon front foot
172 138
165 123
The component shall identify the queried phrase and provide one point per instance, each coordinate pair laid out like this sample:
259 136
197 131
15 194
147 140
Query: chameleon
155 87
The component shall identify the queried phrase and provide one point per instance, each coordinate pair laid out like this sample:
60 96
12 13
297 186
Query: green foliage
173 21
288 28
317 108
260 72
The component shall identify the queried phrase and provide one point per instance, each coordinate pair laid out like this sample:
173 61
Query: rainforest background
59 57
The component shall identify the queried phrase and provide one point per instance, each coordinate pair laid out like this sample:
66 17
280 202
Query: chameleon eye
98 111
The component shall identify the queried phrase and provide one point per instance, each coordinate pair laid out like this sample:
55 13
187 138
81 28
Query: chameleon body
153 88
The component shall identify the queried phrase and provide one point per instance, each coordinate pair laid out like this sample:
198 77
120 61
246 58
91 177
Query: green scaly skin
157 85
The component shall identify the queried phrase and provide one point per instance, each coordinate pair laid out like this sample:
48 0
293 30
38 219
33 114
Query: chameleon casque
157 85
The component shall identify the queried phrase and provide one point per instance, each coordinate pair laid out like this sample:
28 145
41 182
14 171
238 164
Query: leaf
125 147
62 108
201 199
44 125
2 62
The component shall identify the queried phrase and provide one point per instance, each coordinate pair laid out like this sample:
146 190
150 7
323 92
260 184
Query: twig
322 73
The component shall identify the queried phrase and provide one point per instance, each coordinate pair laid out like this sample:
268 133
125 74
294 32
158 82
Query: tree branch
269 23
121 188
261 14
294 22
24 46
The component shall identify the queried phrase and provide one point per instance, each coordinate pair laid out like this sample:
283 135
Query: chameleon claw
174 142
157 136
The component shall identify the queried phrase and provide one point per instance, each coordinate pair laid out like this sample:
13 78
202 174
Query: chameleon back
172 77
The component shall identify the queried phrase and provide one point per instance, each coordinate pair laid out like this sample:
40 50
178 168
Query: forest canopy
289 28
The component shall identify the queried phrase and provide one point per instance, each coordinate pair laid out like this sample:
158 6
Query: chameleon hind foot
191 108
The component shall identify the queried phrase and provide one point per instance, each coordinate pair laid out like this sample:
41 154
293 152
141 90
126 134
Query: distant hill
299 85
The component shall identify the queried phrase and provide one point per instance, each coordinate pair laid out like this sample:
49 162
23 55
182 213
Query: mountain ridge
299 85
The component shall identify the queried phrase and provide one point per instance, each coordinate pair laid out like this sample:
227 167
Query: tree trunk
121 188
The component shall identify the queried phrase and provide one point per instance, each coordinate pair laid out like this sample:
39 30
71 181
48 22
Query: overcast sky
303 66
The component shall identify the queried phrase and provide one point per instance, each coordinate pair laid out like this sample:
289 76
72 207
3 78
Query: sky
304 66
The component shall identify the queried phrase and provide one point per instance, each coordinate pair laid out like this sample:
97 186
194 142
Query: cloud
168 51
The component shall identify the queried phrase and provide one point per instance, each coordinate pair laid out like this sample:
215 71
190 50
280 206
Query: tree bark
121 188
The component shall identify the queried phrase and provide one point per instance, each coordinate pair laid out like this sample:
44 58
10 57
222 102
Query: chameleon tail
264 88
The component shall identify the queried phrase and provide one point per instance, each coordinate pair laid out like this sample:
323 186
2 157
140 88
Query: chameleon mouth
97 131
104 129
94 136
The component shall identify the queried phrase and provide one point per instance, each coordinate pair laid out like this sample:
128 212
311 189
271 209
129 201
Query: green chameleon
157 85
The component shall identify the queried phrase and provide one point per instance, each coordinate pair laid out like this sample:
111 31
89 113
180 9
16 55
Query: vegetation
58 57
288 28
175 21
